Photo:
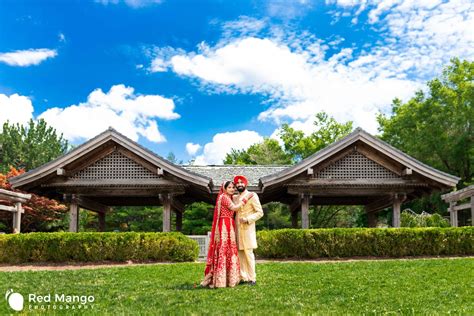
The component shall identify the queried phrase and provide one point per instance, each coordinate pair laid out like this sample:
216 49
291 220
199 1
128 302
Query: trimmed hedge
354 242
95 247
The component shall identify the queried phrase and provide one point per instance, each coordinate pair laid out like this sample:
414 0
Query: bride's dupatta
214 241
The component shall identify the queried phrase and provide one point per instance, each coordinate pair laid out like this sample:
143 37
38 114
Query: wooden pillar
101 221
397 203
166 213
472 210
73 217
453 214
305 212
179 220
372 219
294 219
17 218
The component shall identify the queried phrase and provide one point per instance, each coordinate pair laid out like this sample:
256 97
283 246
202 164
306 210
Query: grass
417 286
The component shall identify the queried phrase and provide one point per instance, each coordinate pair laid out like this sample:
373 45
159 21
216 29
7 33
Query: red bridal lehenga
222 265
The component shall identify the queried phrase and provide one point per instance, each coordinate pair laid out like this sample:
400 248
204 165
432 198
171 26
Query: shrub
94 247
411 219
352 242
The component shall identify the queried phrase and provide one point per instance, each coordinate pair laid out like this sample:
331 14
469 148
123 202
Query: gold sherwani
247 237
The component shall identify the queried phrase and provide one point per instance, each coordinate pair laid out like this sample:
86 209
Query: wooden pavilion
112 170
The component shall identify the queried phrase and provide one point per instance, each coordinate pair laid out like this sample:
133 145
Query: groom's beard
241 189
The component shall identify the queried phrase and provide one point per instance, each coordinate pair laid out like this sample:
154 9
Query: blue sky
200 77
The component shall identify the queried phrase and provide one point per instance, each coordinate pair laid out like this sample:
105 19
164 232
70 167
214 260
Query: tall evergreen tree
30 146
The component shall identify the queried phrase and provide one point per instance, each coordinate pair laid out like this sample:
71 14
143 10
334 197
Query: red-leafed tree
40 212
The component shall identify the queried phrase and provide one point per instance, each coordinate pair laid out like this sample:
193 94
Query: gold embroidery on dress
216 233
224 234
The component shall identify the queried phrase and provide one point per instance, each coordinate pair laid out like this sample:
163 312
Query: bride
222 265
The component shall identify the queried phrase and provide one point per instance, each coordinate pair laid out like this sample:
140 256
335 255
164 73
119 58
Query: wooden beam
17 218
398 199
14 196
179 221
462 206
101 222
458 195
332 159
341 200
396 213
372 219
90 204
120 191
310 172
295 205
160 172
385 162
177 205
7 208
453 214
113 182
294 219
472 210
379 204
110 201
305 212
166 200
90 159
61 172
73 217
355 182
348 191
407 172
144 163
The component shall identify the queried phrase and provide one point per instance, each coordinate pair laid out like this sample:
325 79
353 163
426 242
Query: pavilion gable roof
110 135
359 135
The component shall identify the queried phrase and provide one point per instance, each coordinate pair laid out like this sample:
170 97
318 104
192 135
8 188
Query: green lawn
418 286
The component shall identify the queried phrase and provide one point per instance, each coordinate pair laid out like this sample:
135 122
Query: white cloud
299 83
299 80
131 114
15 109
287 9
62 37
160 57
244 25
131 3
23 58
158 65
192 149
214 152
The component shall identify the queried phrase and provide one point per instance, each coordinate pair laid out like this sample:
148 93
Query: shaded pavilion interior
112 170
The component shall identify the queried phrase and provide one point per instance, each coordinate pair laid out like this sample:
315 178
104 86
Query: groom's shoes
252 283
242 282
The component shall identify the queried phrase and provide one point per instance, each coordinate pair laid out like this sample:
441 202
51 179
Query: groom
246 236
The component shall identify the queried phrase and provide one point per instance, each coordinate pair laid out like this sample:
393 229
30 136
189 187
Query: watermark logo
49 301
15 300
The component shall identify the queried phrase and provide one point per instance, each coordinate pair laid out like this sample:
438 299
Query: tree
411 219
197 218
172 158
297 146
130 218
27 147
327 131
41 213
268 152
437 127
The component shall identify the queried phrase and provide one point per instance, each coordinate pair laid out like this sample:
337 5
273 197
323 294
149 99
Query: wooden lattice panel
113 167
355 166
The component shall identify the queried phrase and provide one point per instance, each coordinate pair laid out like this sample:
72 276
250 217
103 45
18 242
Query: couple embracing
230 258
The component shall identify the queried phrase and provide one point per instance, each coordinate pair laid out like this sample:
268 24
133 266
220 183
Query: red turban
240 177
